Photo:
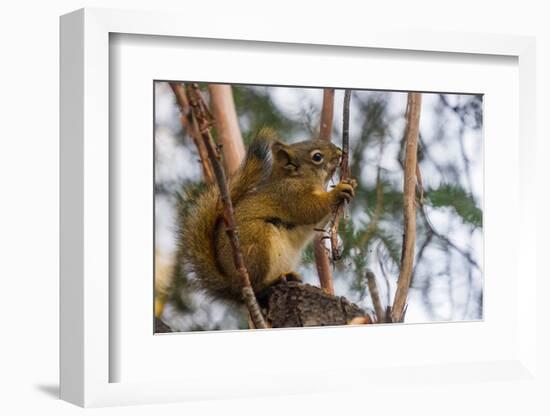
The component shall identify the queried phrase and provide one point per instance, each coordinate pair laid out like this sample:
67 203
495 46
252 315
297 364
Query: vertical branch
409 206
322 262
327 114
190 124
345 137
375 297
344 176
198 107
419 183
321 253
227 125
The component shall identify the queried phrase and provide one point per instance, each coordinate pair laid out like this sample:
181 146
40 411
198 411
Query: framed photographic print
221 192
277 120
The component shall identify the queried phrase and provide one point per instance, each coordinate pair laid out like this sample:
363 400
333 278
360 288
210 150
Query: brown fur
279 198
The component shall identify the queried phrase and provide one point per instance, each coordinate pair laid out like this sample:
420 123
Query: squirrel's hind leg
291 277
255 238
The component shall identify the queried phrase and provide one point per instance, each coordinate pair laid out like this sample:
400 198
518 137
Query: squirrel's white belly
287 248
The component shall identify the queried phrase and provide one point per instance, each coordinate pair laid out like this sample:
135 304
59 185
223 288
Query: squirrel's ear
283 156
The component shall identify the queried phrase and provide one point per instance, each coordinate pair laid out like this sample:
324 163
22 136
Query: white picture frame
86 356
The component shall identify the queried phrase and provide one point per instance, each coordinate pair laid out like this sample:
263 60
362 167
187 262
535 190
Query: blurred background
447 282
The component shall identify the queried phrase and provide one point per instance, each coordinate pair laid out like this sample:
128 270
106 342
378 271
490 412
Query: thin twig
447 241
190 124
344 176
419 183
409 206
322 261
375 297
345 137
420 255
385 276
205 123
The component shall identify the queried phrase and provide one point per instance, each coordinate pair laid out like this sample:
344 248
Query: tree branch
198 107
345 137
327 114
409 206
344 176
375 297
322 262
292 304
190 124
419 183
227 125
321 253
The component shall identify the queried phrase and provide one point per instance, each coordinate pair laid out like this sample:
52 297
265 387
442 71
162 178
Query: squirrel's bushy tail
198 224
196 231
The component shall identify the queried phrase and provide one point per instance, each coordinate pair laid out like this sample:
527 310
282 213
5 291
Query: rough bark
292 304
295 305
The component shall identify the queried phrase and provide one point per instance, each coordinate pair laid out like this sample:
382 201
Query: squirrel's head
314 160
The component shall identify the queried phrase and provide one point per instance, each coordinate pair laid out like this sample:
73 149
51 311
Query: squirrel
279 197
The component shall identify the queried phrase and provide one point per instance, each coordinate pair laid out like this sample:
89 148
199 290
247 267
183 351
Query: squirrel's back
198 229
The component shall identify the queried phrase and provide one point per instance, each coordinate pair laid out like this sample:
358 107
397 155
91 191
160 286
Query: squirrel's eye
317 157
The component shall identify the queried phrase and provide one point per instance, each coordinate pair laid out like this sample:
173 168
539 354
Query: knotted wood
293 304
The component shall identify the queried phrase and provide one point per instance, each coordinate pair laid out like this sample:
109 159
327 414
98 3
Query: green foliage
391 244
375 123
308 256
454 196
255 106
374 128
392 203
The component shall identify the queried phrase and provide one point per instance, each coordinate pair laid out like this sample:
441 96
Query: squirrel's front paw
344 191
